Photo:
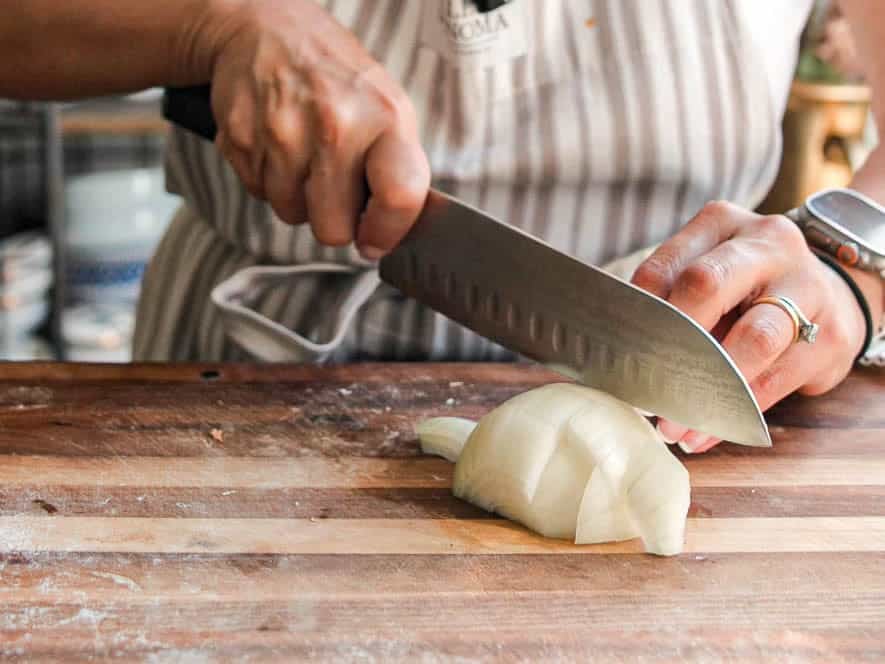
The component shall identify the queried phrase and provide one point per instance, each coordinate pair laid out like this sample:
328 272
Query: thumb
398 175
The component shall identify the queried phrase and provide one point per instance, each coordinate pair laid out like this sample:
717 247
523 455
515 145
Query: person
601 127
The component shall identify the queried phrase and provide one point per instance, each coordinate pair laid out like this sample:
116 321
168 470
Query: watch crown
848 253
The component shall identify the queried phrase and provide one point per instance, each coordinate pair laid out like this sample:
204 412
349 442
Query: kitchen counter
196 513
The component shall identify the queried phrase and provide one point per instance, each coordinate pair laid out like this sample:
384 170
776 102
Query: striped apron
600 126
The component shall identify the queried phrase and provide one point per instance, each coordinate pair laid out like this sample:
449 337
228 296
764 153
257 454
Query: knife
520 292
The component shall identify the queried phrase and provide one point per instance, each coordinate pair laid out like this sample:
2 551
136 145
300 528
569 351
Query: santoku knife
541 303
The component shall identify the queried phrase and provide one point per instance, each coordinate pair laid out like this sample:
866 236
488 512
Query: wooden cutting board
191 513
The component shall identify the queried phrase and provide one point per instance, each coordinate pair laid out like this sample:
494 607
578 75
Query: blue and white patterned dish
113 221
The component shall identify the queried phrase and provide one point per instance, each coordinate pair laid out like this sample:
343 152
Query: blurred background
82 201
82 207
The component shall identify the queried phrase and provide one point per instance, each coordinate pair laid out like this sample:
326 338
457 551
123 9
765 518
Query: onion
568 462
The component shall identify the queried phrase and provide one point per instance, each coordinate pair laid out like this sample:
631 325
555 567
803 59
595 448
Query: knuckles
405 197
786 235
771 381
717 209
703 279
766 337
355 115
655 274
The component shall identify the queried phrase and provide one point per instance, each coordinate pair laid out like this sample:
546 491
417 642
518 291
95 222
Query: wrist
207 28
873 287
846 287
852 313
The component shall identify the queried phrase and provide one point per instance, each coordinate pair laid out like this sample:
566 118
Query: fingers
287 152
239 135
766 331
724 257
336 196
715 223
399 179
704 445
757 251
284 186
761 343
721 279
670 431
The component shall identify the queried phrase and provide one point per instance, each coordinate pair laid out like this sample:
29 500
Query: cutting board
196 513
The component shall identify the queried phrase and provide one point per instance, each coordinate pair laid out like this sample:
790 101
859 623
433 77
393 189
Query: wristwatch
847 225
850 227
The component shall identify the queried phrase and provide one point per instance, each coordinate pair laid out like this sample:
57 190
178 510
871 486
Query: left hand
717 265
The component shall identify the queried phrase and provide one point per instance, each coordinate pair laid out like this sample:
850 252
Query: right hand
314 125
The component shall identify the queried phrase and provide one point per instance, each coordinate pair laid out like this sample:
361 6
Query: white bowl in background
118 213
113 223
116 189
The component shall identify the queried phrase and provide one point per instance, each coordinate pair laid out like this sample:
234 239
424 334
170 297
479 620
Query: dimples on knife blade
579 320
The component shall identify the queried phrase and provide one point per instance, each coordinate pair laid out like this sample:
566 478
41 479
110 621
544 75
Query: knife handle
191 108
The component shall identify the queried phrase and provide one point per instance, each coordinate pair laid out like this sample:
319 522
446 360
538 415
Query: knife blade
573 317
525 295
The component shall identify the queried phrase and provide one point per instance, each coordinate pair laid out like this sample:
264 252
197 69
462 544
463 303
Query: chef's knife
525 295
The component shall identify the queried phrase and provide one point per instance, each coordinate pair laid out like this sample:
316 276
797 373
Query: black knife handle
191 108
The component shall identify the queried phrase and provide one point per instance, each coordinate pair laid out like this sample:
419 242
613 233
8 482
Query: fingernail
664 436
694 440
371 253
670 431
698 443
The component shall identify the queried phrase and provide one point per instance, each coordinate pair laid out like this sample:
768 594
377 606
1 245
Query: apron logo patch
466 37
469 28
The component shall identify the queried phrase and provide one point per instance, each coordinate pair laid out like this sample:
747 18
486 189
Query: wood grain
270 643
356 472
396 503
32 576
414 536
218 513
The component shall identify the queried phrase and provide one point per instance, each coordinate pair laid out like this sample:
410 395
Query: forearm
52 49
870 180
867 21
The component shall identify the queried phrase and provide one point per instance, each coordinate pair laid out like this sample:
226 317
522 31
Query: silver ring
803 329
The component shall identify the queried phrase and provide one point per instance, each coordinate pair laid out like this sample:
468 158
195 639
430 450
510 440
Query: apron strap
267 340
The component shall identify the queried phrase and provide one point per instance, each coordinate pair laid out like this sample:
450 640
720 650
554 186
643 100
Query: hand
311 123
723 260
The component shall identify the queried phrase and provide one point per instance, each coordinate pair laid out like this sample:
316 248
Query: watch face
859 217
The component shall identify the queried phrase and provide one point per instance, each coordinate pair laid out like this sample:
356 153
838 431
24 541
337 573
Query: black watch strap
858 294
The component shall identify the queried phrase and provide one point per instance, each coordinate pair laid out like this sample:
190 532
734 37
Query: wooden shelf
114 116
